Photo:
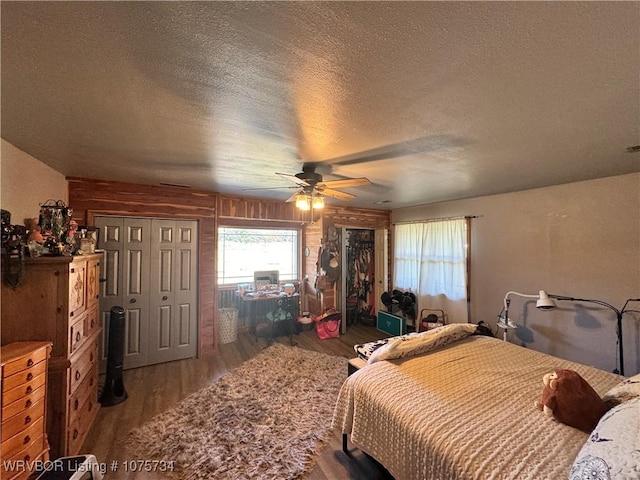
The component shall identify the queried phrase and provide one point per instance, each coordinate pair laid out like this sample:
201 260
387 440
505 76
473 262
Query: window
242 251
430 259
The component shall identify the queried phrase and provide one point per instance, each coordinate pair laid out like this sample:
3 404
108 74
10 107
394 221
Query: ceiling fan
312 189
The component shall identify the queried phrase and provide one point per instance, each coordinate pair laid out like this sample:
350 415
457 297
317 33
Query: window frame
261 226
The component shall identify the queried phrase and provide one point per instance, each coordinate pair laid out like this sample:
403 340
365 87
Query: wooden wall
89 198
356 217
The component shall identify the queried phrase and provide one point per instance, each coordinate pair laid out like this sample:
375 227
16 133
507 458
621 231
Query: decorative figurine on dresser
24 402
57 300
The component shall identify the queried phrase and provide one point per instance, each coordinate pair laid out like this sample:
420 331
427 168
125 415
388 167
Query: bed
455 405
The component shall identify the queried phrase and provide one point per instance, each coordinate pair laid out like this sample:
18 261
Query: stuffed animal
568 398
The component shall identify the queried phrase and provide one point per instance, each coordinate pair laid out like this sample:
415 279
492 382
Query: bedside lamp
544 302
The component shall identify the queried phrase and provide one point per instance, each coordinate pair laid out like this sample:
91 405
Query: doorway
364 274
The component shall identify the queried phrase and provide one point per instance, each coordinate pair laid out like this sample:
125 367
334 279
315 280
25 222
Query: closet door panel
111 241
135 296
186 295
162 294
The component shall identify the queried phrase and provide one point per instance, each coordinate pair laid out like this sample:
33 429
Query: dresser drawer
24 402
26 362
91 322
77 431
18 442
76 334
31 452
81 365
18 423
85 391
9 396
24 376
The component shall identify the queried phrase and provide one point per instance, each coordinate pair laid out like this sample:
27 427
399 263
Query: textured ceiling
431 101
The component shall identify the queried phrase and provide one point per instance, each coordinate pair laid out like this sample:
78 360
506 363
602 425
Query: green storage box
391 324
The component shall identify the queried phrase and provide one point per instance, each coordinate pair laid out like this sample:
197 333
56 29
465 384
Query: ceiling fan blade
268 188
293 197
347 182
294 179
328 192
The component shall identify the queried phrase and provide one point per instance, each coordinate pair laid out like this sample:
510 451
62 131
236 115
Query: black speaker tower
114 391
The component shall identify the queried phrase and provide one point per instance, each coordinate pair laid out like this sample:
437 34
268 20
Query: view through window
242 251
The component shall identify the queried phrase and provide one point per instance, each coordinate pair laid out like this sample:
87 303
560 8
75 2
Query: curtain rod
427 220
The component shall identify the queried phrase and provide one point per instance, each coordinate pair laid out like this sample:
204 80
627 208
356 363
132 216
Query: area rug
267 419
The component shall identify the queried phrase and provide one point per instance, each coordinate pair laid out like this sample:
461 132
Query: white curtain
430 260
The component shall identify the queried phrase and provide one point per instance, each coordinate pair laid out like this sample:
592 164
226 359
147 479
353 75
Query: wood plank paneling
89 198
356 217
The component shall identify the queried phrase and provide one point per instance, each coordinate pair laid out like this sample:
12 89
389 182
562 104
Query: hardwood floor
154 389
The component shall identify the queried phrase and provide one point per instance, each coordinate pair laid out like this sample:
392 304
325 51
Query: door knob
165 298
133 300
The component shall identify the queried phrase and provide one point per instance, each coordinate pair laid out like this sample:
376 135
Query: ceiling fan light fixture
317 202
303 202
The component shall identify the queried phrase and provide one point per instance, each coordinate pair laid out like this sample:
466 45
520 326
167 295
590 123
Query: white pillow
417 344
612 451
627 389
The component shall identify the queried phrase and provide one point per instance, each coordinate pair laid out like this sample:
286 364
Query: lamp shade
303 202
544 302
317 202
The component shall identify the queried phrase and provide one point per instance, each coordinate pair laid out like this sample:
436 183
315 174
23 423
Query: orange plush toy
571 400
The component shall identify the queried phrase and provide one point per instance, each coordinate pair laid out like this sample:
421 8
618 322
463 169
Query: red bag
328 325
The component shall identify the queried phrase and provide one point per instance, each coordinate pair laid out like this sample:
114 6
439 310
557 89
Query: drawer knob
75 434
29 376
28 403
27 420
27 458
26 440
75 404
30 362
78 337
77 375
71 314
29 389
91 357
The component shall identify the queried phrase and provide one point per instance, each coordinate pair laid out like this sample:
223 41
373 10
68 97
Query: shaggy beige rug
267 419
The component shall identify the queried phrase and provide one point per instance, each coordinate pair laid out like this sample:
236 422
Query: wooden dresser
24 401
58 301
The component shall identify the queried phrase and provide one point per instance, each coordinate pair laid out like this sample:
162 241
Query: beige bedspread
466 411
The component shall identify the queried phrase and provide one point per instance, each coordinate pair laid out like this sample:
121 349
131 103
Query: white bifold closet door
150 271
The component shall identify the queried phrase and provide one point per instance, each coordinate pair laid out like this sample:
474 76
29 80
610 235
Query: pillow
613 448
417 344
625 390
